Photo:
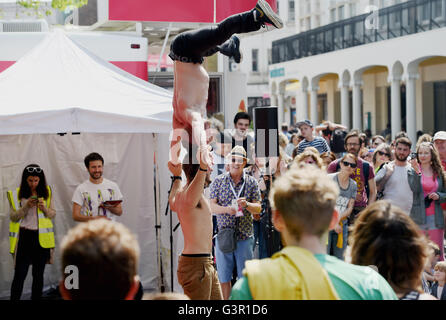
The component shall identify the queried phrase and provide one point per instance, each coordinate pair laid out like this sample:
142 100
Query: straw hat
238 152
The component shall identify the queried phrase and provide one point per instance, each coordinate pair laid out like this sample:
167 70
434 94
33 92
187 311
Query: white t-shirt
89 196
397 189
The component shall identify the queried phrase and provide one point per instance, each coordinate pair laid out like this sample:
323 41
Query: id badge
238 208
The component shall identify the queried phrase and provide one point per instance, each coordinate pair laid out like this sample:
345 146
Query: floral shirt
221 191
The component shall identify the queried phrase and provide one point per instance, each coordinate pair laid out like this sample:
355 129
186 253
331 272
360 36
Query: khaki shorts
198 278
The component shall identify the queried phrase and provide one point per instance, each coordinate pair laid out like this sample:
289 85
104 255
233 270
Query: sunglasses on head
349 164
383 154
34 169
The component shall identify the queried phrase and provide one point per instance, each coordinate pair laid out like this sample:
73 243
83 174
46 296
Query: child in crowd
440 279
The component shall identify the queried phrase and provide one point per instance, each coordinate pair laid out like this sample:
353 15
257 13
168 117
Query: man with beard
363 175
89 199
393 181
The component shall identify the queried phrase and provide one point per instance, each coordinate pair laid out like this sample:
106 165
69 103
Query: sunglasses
348 164
383 154
34 169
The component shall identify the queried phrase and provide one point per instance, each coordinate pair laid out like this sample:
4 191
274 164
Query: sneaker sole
275 19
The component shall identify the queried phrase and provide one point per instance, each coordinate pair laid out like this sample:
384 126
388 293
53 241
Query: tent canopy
61 87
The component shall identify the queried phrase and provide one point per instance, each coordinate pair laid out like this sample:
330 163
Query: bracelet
177 178
203 170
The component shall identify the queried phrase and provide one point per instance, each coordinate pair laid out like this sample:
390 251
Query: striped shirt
319 143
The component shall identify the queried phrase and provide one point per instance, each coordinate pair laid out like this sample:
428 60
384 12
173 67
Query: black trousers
29 252
192 46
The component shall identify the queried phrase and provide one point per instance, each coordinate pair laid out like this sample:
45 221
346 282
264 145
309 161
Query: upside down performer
191 81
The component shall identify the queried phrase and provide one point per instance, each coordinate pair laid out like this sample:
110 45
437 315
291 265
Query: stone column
411 120
304 112
395 111
314 114
357 112
345 105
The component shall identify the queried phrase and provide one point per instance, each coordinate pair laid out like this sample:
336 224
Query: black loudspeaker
266 129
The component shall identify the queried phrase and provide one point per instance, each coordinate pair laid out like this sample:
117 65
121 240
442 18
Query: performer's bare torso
190 94
196 224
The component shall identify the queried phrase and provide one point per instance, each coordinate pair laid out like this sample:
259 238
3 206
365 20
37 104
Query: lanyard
241 189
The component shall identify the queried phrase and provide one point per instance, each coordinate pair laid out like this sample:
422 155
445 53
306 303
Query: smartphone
112 203
413 155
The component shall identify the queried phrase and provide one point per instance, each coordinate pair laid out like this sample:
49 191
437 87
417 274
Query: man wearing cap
234 197
440 145
306 130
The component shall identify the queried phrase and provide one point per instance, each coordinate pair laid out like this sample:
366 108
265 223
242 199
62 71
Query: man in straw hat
234 197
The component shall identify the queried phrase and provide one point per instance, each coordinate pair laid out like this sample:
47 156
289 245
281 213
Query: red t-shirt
430 184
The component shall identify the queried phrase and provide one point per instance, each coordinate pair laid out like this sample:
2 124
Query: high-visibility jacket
46 229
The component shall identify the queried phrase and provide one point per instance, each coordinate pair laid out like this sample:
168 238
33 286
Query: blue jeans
226 261
332 248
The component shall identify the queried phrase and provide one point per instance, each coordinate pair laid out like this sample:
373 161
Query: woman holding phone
31 232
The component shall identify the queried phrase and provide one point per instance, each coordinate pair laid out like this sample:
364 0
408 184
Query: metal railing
394 21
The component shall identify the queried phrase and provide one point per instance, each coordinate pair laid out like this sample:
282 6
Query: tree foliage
64 4
56 4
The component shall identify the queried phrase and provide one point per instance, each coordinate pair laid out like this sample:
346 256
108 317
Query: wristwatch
176 178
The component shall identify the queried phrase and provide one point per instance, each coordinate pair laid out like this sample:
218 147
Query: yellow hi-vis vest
46 229
291 274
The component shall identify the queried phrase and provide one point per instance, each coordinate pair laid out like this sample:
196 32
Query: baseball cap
306 122
440 135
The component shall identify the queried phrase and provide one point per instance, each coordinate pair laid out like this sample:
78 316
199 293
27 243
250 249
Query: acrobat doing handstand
191 81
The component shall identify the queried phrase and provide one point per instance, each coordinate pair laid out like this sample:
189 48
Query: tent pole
164 47
157 218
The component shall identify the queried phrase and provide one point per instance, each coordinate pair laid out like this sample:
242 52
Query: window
437 9
308 6
341 13
332 15
424 12
291 11
352 9
308 20
317 21
255 60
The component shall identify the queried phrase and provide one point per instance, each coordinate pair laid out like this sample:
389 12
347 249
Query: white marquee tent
57 104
